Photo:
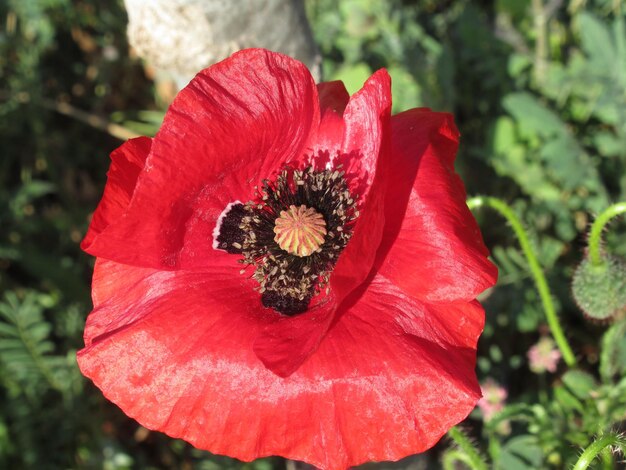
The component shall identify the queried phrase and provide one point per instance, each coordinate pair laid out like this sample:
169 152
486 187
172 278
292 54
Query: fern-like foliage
26 350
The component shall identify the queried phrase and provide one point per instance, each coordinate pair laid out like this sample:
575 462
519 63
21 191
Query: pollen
300 230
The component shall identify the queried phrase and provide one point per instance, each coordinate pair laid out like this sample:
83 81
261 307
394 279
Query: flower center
292 234
300 230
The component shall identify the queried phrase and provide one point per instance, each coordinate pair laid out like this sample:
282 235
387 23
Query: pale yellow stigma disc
300 230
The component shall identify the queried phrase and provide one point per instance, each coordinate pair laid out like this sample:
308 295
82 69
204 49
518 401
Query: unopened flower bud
600 291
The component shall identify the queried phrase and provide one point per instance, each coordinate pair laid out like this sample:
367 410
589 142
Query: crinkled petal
127 161
148 226
400 367
432 246
123 295
287 343
235 124
176 355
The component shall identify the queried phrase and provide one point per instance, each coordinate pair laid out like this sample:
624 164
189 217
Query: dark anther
231 237
284 304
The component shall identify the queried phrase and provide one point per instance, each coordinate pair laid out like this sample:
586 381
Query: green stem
596 447
607 459
451 457
540 280
595 236
541 42
471 455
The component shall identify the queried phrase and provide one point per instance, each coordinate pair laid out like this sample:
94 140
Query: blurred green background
538 89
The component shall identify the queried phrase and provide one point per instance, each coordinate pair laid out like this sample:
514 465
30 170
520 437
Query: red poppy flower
287 270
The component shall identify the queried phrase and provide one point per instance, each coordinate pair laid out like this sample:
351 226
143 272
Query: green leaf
609 144
565 158
25 346
580 383
613 352
596 41
521 453
532 115
504 136
568 401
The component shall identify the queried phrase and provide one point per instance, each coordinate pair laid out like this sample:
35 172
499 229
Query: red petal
399 367
176 354
367 119
333 96
286 344
123 295
333 101
235 124
432 246
127 161
367 134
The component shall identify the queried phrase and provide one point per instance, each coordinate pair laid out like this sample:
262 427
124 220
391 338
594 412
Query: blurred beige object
181 37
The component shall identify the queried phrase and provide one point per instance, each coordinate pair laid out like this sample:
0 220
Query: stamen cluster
289 280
